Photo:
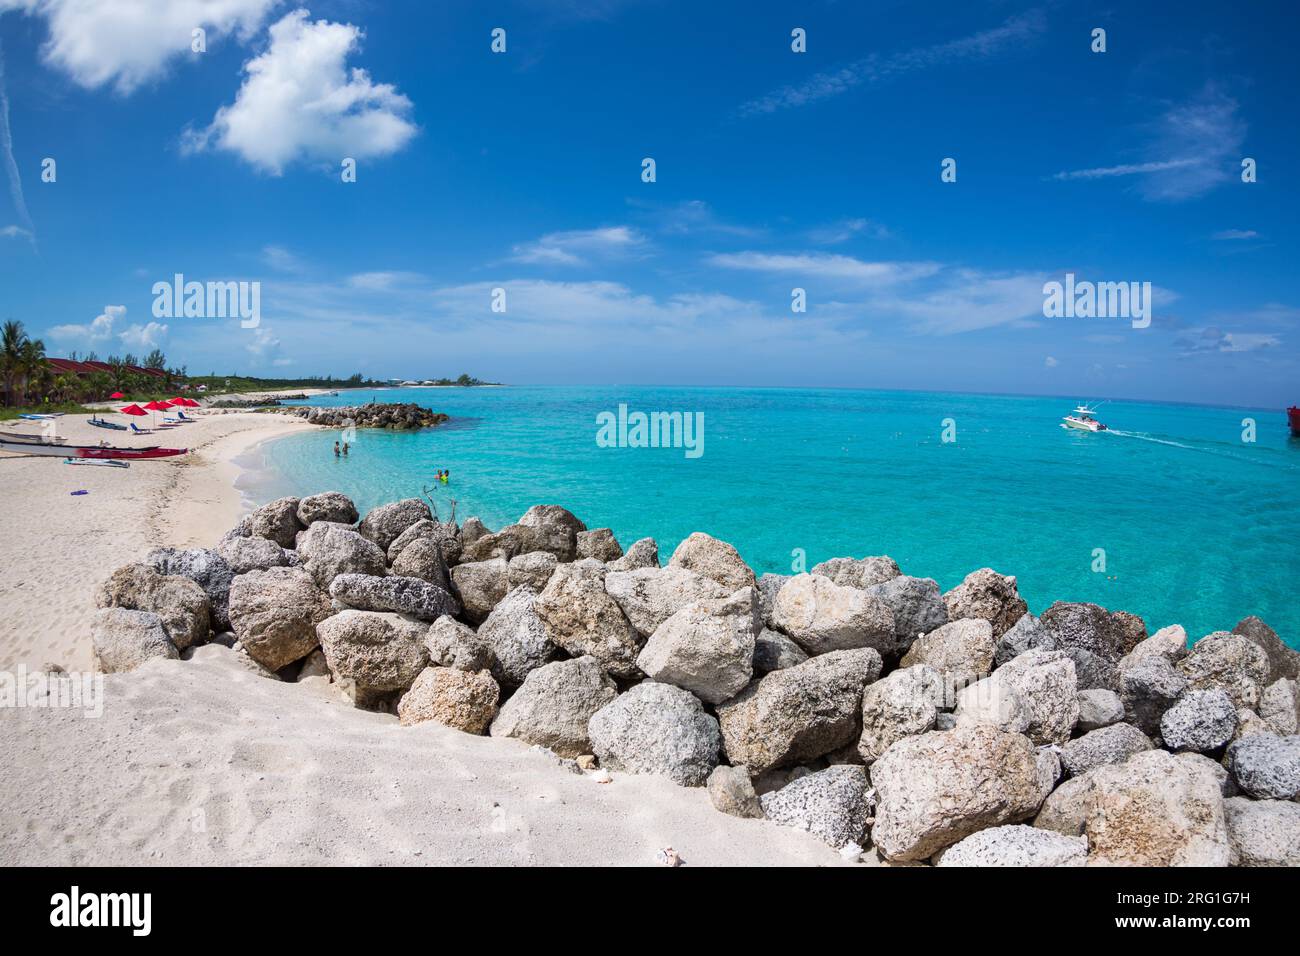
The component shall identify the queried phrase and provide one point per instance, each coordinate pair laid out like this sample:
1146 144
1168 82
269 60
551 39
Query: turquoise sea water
1198 527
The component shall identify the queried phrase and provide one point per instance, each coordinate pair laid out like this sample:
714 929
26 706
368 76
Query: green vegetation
244 383
67 408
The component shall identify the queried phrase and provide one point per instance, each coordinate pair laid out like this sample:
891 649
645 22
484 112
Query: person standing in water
345 449
336 449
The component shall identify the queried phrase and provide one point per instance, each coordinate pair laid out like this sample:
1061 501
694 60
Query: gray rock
326 506
1092 671
937 788
329 550
1099 708
1156 809
997 703
832 804
465 700
378 652
313 665
275 613
659 729
599 543
714 559
1046 683
1200 721
424 559
554 529
773 651
707 647
182 604
123 639
385 524
277 521
1148 688
799 713
453 644
1097 748
902 704
1015 845
412 596
251 554
1279 706
1282 660
1249 722
207 569
1263 832
426 529
1066 808
649 596
644 553
1168 642
1231 662
517 638
531 570
480 585
554 705
471 531
580 617
989 596
732 792
917 606
1109 635
1266 766
946 720
822 616
858 572
769 585
1027 634
961 650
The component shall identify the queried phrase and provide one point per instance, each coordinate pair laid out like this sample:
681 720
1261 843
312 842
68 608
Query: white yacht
1085 418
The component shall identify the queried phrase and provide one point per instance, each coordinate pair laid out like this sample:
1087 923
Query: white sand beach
203 763
58 546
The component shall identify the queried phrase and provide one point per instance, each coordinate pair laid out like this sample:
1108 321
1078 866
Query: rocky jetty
855 702
399 416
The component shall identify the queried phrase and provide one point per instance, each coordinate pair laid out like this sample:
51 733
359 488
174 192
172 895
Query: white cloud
577 247
15 232
847 229
264 346
1016 31
1233 234
299 101
1191 148
825 265
1051 362
126 43
144 337
1215 340
98 330
282 260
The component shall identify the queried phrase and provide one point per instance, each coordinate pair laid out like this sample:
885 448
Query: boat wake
1151 438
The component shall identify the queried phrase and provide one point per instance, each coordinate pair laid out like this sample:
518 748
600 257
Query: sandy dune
201 762
57 547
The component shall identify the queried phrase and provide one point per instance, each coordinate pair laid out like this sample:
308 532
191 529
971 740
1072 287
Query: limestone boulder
1266 766
732 792
599 543
1015 845
1148 688
326 506
1200 721
1089 627
378 652
934 789
1263 832
385 524
412 596
1279 706
916 604
658 729
799 713
516 637
480 585
275 614
123 639
329 550
465 700
858 572
453 644
180 603
1107 745
1099 708
531 570
707 647
988 596
773 651
649 596
961 650
902 704
1283 661
580 617
714 559
251 554
833 805
1156 809
276 521
644 553
1045 681
1231 662
208 569
823 616
424 559
1026 634
554 705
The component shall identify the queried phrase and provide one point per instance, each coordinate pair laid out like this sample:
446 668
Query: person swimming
446 476
336 449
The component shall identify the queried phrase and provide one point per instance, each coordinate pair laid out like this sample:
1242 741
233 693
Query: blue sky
775 170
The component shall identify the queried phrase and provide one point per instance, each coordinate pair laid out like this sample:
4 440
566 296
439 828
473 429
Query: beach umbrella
133 410
117 395
158 406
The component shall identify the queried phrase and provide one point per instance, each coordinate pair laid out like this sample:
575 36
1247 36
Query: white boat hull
1089 426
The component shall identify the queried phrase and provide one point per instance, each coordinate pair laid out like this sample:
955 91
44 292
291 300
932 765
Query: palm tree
32 363
12 338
